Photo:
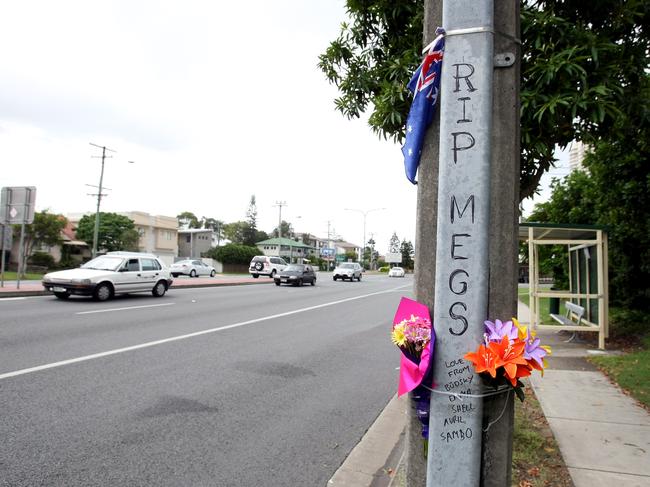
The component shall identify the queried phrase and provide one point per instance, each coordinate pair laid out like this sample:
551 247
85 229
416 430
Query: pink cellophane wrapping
410 373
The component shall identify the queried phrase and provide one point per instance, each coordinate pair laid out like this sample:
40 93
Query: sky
212 101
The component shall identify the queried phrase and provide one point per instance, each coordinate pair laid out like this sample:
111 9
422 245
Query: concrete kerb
374 461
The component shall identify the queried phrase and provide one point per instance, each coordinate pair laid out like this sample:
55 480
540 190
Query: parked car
263 265
114 273
396 272
348 270
296 275
192 268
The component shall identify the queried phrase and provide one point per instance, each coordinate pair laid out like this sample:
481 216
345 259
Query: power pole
494 459
99 196
280 204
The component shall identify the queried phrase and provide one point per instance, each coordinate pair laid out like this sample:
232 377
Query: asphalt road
225 386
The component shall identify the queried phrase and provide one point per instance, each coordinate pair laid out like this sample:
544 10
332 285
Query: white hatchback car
114 273
396 272
192 268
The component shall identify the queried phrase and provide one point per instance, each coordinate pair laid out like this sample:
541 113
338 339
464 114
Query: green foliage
625 322
42 259
116 232
385 268
187 219
233 253
407 251
351 255
44 230
581 69
250 231
393 244
285 227
235 231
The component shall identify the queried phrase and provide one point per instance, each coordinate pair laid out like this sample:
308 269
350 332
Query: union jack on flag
425 86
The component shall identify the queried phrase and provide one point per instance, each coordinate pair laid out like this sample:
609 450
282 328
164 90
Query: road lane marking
107 310
11 299
85 358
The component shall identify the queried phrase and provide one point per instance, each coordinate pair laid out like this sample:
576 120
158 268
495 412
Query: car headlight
80 281
293 277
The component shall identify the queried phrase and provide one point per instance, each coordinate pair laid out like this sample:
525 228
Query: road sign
327 252
393 258
17 204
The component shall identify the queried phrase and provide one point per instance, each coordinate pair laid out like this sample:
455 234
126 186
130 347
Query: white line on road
85 358
12 299
123 309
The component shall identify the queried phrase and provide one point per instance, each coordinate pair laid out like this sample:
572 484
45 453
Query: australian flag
425 86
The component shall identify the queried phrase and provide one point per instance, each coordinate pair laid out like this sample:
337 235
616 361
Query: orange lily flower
484 360
510 356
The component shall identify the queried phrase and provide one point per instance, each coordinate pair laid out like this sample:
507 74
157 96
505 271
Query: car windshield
104 263
294 267
397 269
346 266
182 262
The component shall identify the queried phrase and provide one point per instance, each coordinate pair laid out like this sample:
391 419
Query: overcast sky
213 102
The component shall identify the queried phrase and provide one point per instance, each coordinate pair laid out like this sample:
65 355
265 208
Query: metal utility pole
280 204
471 215
99 197
363 243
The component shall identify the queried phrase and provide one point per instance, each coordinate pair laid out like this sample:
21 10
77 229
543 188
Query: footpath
34 288
603 434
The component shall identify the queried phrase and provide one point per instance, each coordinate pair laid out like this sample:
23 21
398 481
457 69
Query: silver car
111 274
192 268
348 270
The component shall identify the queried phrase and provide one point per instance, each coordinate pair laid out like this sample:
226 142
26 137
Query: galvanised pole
462 263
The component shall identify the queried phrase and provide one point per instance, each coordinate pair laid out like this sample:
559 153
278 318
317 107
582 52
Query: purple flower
533 350
497 330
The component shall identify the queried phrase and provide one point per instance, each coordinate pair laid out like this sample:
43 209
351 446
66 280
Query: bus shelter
586 306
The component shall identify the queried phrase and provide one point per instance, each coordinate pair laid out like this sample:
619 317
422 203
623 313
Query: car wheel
277 283
313 281
192 273
159 289
174 274
299 282
334 278
259 266
272 276
213 273
359 278
64 295
255 276
103 292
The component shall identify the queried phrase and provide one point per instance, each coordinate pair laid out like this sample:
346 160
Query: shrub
628 322
42 259
384 268
233 254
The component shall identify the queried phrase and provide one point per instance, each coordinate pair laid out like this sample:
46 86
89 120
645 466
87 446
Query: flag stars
409 129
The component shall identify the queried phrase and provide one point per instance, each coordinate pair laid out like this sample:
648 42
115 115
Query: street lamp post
363 243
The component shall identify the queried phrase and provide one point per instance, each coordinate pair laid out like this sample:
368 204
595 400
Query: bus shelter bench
572 310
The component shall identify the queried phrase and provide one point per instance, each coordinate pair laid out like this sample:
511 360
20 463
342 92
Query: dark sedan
296 275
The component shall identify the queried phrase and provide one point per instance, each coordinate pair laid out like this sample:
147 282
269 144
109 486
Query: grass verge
11 276
630 371
536 459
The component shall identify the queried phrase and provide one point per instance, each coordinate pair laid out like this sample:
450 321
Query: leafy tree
614 191
215 225
187 219
407 251
44 230
581 69
250 233
393 245
236 231
233 253
116 232
285 227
